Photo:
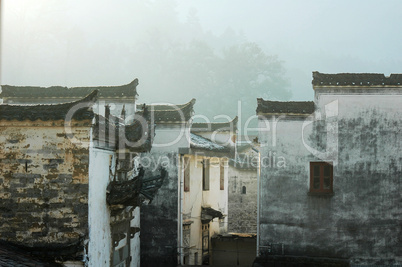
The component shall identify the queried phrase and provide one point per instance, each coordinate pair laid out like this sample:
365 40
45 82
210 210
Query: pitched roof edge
215 126
175 107
206 144
356 79
12 91
47 112
173 114
284 107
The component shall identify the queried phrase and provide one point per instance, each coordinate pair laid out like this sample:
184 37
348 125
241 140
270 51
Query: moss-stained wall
159 218
43 183
361 221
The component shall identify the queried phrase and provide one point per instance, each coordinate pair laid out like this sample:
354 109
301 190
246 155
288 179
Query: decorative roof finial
123 112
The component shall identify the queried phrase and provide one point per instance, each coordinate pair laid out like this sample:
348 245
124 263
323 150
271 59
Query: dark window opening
321 178
222 176
122 176
26 166
205 175
186 166
243 190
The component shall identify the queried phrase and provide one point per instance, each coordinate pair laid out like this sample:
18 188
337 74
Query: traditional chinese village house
330 183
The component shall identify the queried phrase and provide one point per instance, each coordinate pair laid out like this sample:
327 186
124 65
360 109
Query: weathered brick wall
43 183
242 207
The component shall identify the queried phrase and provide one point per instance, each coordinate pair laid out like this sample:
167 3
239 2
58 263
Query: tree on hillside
246 72
217 79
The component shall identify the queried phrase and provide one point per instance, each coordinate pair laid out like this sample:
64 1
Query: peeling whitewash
360 221
100 249
100 245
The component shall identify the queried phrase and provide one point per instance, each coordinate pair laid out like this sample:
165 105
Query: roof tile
49 112
355 79
284 107
121 91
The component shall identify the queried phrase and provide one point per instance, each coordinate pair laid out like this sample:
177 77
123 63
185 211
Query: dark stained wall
361 221
159 218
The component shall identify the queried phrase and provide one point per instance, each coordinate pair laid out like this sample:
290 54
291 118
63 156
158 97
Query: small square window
321 178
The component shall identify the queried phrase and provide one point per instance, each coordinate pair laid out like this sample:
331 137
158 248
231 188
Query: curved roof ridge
11 91
132 83
172 106
355 79
276 101
294 107
215 126
46 112
172 113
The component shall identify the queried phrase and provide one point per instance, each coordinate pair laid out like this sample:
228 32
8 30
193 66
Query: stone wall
43 184
242 206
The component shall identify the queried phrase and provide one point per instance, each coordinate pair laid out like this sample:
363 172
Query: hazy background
218 52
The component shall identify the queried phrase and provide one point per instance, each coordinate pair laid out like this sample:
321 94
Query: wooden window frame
205 175
321 190
222 175
186 173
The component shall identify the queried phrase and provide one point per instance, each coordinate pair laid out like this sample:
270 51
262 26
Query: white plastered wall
100 244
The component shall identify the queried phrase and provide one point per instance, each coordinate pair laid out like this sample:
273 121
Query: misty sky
89 43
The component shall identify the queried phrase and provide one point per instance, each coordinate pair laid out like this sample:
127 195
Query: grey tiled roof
215 126
121 91
299 107
208 214
171 113
49 112
355 79
199 142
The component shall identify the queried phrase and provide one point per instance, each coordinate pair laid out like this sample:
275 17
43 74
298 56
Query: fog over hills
219 53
